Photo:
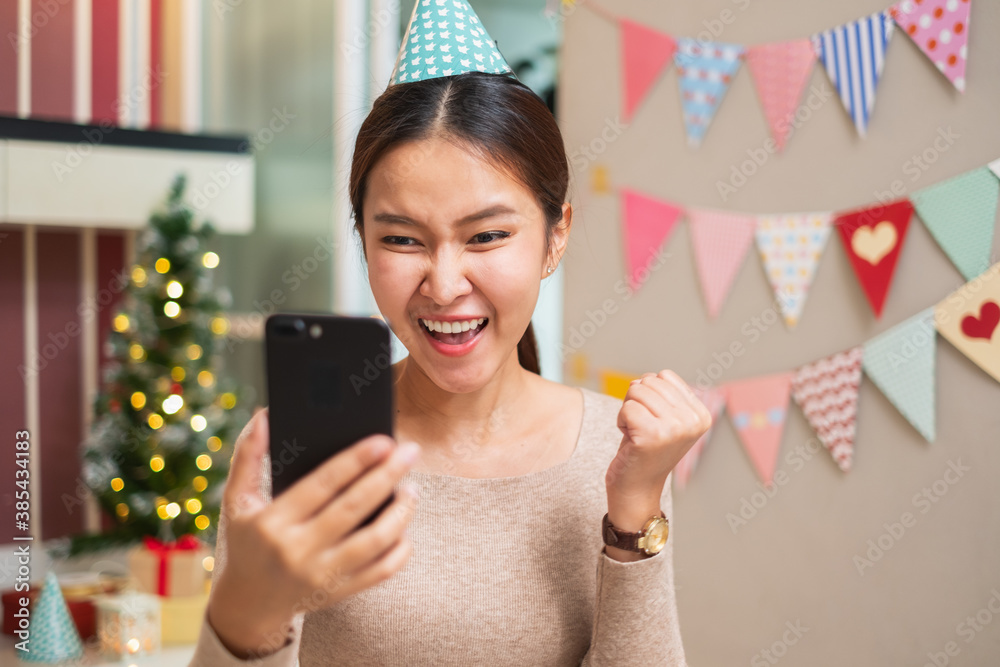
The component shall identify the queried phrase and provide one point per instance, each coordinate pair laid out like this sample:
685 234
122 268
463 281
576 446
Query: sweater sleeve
209 650
635 609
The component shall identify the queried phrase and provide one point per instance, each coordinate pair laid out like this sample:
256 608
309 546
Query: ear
559 240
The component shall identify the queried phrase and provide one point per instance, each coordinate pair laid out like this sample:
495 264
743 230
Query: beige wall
793 562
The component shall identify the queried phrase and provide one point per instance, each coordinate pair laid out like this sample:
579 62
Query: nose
445 278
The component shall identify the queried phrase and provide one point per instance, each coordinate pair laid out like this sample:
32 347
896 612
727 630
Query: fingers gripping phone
329 384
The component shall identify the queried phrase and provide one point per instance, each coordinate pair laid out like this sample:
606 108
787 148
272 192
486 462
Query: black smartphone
329 384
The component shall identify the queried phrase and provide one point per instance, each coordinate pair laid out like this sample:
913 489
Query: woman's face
449 238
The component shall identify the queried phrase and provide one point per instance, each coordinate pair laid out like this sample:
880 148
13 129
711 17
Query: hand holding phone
279 554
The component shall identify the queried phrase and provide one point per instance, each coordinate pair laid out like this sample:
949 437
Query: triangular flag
780 73
721 240
647 224
853 56
615 384
960 213
873 238
939 28
758 408
714 399
54 637
445 39
705 71
995 167
790 246
900 362
645 54
827 392
970 320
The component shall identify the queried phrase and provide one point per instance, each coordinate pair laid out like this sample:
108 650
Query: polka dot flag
446 38
940 28
54 637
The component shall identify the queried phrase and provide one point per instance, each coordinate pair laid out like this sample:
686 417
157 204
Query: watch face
656 536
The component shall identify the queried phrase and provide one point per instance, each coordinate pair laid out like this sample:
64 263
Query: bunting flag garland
969 319
758 407
645 54
960 213
721 241
873 239
827 392
648 224
939 28
780 73
900 362
705 71
791 246
714 399
854 56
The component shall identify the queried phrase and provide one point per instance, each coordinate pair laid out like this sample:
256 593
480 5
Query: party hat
445 38
54 638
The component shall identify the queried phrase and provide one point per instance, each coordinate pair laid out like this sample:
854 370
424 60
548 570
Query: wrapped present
170 569
128 624
181 617
78 589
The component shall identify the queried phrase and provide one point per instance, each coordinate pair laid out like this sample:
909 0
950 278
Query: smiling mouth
455 338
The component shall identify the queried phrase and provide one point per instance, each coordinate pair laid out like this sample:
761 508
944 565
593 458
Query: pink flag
645 53
827 392
781 71
939 28
714 399
721 240
758 407
647 224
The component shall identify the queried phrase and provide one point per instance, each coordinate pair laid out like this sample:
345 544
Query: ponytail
527 351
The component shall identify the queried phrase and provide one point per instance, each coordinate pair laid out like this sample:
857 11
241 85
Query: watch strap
622 539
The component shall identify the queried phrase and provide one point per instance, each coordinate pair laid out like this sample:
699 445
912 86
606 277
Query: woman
458 186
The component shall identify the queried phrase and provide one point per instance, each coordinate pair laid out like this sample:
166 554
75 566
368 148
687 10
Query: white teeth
453 327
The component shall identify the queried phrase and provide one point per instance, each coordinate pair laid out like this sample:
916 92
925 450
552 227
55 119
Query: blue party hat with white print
54 637
446 38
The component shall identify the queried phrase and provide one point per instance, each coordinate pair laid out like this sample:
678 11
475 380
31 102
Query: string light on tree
165 406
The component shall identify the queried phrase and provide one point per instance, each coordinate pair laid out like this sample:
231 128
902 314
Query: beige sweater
504 571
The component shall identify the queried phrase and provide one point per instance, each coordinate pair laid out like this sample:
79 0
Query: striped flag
854 55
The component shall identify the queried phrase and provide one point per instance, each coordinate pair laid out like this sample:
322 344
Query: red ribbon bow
163 550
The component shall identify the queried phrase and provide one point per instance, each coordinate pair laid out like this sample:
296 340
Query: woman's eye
397 240
487 237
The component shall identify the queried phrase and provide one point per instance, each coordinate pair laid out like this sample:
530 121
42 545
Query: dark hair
494 115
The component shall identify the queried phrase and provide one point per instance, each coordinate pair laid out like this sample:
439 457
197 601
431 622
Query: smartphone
329 384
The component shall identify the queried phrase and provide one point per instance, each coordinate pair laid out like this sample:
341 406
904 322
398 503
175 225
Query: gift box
181 618
170 569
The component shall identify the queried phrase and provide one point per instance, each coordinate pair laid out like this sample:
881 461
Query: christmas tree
165 421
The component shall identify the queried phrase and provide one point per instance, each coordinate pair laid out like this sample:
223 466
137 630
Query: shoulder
600 422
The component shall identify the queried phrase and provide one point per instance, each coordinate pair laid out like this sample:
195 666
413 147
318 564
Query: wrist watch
649 541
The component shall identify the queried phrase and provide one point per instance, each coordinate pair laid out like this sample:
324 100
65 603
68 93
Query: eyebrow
490 212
